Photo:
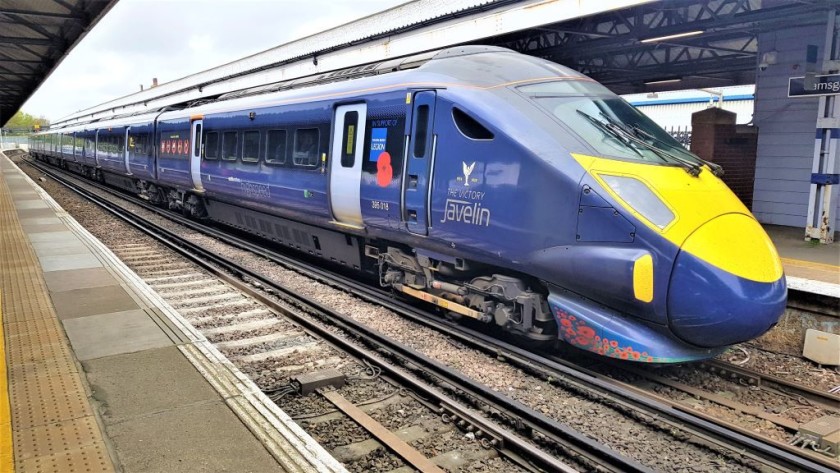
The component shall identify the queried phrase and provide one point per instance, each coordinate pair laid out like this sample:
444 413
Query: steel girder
609 47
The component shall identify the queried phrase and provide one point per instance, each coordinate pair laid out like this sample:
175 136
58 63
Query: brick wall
715 137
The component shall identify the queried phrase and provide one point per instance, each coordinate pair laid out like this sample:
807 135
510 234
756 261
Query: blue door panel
110 149
418 162
141 148
382 165
173 164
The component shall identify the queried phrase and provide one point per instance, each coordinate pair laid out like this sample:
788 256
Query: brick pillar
715 137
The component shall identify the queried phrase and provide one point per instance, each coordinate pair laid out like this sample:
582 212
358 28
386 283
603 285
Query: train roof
474 67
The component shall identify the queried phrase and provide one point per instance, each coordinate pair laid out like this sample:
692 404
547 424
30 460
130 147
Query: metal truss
33 39
611 47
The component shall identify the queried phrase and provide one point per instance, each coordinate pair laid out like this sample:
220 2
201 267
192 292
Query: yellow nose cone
737 244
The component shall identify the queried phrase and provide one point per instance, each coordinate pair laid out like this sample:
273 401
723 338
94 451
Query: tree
23 121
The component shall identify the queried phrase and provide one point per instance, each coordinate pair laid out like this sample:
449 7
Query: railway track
739 391
207 304
555 371
264 344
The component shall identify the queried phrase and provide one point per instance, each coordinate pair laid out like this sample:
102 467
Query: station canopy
35 36
668 45
630 46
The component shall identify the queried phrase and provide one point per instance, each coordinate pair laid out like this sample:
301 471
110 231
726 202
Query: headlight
640 198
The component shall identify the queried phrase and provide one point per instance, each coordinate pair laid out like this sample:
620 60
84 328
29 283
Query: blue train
498 186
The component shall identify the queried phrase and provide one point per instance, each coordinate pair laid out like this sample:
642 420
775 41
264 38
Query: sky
169 39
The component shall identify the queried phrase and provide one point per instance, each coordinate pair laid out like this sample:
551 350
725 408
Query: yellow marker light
408 97
643 278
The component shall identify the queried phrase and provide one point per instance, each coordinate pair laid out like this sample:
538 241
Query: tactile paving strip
53 427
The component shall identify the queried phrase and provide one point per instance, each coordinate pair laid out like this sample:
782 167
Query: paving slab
37 228
60 248
91 301
40 221
31 204
49 237
23 213
146 382
790 241
68 280
201 437
101 335
70 261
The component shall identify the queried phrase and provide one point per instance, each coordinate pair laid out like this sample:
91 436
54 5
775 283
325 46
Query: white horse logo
467 171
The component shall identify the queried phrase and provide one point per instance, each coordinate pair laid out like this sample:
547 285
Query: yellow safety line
810 264
6 455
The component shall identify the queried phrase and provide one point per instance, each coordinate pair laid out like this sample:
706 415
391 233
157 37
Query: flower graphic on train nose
467 171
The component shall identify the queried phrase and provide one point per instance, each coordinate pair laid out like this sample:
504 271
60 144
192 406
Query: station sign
821 85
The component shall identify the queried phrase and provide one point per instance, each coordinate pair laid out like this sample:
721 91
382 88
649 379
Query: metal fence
14 138
681 134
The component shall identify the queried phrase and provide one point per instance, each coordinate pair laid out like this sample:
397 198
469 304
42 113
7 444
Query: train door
96 148
195 153
346 163
129 144
416 186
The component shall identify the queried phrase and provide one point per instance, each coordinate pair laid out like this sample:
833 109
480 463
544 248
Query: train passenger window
211 145
229 145
421 130
251 146
275 147
306 147
469 126
348 141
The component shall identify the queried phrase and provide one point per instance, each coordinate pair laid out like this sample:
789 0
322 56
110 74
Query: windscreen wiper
690 167
609 128
717 169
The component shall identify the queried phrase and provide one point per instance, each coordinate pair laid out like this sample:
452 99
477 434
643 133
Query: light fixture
673 36
663 81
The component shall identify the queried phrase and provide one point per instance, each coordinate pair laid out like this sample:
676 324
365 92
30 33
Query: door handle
412 216
413 179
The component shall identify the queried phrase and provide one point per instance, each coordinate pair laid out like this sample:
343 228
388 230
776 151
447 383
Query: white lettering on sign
466 194
471 213
832 86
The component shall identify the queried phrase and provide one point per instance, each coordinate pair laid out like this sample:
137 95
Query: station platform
809 266
97 373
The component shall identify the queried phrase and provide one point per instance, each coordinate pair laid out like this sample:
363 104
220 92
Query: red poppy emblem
384 171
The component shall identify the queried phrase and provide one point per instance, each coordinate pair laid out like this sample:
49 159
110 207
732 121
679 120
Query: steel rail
739 440
576 444
765 380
